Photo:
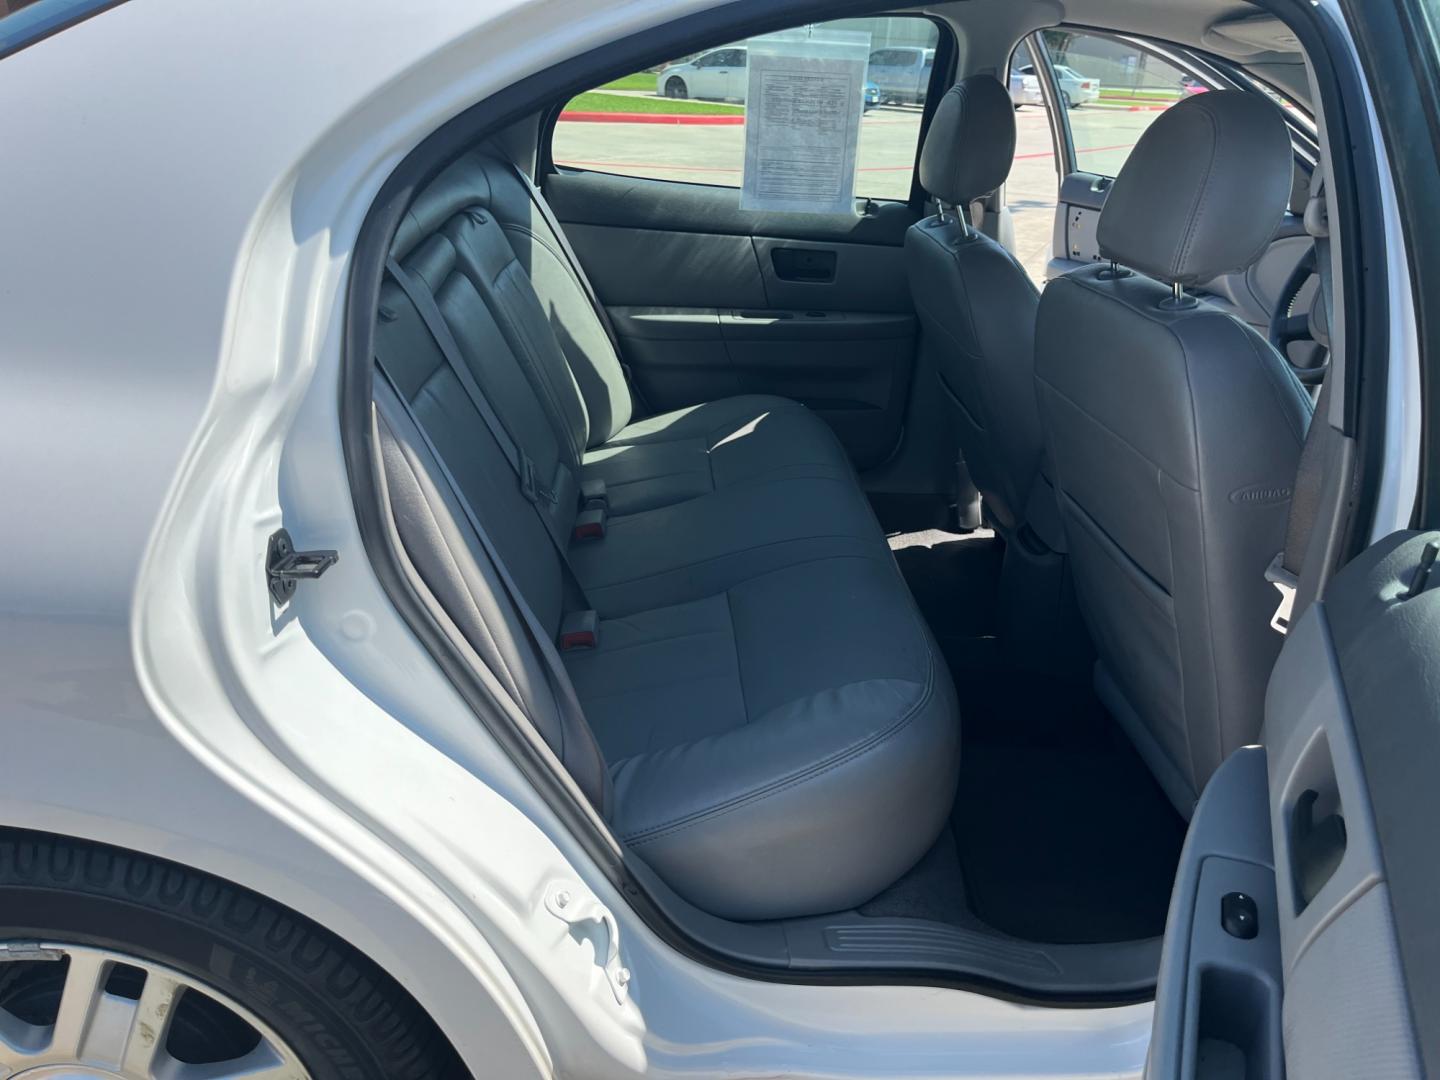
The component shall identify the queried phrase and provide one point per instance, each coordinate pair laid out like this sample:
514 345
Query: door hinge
562 902
285 567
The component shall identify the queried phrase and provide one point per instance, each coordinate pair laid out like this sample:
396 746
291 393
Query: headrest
971 141
1203 190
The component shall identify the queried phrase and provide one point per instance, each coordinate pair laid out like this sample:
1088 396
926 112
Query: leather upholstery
977 305
1203 190
765 701
970 143
1175 433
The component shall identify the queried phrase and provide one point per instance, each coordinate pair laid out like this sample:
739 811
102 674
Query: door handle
813 266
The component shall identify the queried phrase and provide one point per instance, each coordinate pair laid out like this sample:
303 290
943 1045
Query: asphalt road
714 154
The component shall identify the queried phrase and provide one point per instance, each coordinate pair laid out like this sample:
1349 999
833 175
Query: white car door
1309 870
729 74
704 80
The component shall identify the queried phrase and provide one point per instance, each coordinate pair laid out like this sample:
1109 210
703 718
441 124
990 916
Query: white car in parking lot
1075 89
717 75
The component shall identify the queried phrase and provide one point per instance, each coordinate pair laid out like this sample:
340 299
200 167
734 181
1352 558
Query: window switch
1239 916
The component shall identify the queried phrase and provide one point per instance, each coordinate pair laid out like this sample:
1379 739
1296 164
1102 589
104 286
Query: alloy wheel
72 1012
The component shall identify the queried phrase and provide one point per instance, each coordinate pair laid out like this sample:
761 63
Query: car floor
1059 833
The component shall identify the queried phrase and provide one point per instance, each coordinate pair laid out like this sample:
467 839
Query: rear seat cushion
785 748
706 545
678 455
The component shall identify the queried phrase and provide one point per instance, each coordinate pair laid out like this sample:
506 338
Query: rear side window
1112 90
24 22
685 120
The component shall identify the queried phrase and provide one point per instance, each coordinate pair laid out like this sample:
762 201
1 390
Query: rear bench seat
766 720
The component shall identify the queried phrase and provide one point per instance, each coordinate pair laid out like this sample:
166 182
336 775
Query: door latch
573 910
285 567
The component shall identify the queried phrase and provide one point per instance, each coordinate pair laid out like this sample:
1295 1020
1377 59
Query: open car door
1304 930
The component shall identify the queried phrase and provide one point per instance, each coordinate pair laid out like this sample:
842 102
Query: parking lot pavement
715 154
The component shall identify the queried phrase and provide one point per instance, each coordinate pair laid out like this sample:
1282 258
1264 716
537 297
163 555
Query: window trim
83 12
945 48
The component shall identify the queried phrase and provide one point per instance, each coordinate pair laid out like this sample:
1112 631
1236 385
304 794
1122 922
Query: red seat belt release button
589 524
579 630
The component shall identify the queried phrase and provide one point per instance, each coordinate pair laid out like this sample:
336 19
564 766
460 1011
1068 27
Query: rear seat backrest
597 370
592 400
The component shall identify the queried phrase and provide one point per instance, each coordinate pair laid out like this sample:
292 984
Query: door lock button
1239 916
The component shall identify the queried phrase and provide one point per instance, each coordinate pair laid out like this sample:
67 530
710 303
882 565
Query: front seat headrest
971 141
1203 190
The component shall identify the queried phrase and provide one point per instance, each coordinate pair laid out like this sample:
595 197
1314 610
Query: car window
1113 89
1032 188
686 122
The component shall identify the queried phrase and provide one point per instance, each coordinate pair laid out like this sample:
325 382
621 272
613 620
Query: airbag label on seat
802 122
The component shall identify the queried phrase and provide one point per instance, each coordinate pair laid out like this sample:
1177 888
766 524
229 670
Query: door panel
710 301
1329 828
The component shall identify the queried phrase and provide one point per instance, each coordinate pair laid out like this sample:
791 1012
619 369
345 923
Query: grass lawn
595 101
644 80
1139 95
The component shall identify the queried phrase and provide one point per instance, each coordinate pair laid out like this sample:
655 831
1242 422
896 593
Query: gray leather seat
977 305
1175 432
764 718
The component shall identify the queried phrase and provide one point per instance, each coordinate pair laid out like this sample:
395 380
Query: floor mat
1061 833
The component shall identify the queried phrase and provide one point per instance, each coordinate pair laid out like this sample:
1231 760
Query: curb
652 118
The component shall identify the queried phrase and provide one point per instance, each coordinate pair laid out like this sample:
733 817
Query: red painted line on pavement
1082 150
655 165
652 118
645 165
699 168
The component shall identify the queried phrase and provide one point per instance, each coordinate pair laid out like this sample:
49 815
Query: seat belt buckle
1286 582
593 495
589 524
579 630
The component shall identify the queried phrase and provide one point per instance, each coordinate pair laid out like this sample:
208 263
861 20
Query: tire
1065 94
330 1007
675 88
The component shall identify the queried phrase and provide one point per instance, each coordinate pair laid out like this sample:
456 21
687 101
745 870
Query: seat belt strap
547 215
440 333
556 677
1284 570
524 469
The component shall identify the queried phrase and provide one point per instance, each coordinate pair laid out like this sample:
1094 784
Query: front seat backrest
1175 433
976 304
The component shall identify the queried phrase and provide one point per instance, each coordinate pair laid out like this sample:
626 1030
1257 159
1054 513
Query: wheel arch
400 947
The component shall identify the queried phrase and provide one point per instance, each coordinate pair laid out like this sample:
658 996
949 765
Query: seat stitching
1204 589
783 784
739 666
736 554
1129 565
1108 429
649 688
603 651
1202 195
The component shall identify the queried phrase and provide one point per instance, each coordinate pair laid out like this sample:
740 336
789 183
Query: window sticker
802 124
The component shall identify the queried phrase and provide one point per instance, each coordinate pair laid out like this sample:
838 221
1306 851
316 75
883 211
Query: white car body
201 208
717 75
1077 89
